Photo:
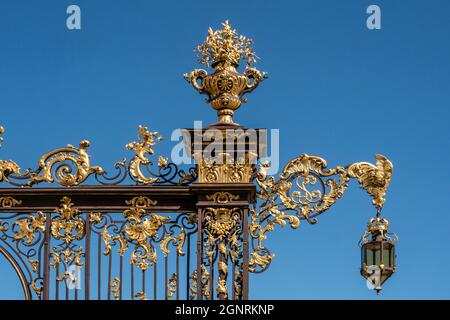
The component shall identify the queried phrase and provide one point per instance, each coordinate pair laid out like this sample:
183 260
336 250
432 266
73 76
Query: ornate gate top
222 50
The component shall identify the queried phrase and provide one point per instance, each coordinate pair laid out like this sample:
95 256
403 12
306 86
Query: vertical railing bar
211 280
166 276
199 254
143 281
132 281
188 267
244 286
233 284
178 276
109 274
57 282
120 276
99 271
47 256
87 259
155 282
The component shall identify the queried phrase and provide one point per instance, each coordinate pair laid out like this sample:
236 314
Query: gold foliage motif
225 46
204 283
67 226
373 178
115 288
172 286
222 230
143 146
7 168
70 166
142 229
222 197
29 226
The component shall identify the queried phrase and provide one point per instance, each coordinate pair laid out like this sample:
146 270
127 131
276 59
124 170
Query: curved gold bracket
306 188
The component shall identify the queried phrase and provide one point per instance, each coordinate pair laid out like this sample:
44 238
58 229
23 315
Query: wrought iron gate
154 231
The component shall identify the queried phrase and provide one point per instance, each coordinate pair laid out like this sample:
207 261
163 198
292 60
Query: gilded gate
153 230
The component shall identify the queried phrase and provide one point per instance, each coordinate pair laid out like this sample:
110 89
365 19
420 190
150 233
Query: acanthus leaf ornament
70 166
143 229
67 226
29 226
172 286
147 140
167 171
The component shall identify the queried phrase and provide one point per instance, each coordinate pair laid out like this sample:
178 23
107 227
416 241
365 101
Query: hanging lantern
378 258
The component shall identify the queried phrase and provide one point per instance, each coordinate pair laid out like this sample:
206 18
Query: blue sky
335 89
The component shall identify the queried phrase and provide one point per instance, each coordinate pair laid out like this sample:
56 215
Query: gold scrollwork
142 229
143 146
306 188
67 226
204 281
172 286
64 174
9 202
79 157
222 197
222 228
115 288
29 226
210 172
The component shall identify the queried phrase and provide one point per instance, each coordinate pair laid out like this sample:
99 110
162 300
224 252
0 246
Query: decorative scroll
70 166
115 288
223 231
53 167
306 188
204 283
172 286
67 226
167 172
9 202
222 197
210 172
22 236
143 230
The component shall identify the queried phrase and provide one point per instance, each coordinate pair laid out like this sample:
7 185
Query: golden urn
223 49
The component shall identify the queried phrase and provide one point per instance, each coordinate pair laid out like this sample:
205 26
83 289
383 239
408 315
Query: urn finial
222 50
